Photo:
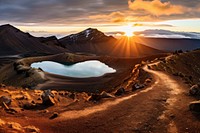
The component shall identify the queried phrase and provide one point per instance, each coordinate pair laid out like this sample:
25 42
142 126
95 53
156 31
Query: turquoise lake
86 69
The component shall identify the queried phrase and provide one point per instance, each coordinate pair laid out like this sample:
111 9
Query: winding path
148 110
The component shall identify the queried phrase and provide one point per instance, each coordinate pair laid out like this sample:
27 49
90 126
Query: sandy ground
161 107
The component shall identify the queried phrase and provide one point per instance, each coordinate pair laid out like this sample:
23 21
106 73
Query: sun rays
128 30
128 47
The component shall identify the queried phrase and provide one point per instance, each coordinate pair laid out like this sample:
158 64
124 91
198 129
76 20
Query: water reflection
92 68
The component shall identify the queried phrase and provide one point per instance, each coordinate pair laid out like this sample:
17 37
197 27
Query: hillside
185 65
96 42
13 41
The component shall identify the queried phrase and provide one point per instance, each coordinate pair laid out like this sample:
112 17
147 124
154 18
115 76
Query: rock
137 86
106 95
120 92
16 64
4 100
2 122
15 126
40 69
29 105
94 97
149 67
39 98
55 115
11 111
195 106
21 69
61 93
72 95
46 111
5 106
195 90
2 85
31 129
48 98
20 97
148 80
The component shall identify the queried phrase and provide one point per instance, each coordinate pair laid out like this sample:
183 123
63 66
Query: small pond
86 69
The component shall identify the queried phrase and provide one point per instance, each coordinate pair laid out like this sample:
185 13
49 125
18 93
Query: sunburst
128 30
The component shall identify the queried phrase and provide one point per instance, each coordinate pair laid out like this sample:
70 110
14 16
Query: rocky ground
148 101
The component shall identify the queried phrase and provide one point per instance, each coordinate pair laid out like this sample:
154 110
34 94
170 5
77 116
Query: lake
86 69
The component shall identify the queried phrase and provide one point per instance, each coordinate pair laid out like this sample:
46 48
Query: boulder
120 92
29 105
21 69
195 106
4 100
195 90
55 115
11 111
16 64
148 80
48 98
94 97
72 95
31 129
137 86
106 95
14 125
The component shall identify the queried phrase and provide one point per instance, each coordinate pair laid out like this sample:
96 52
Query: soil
161 107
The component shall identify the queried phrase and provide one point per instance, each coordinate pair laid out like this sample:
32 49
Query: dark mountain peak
8 28
92 31
90 35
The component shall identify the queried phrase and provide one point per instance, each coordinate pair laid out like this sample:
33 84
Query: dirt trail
160 108
150 110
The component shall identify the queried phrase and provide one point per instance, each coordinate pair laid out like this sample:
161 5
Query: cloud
152 25
156 7
57 11
77 12
168 34
115 17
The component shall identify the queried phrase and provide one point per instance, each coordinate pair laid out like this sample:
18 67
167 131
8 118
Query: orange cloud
156 7
116 17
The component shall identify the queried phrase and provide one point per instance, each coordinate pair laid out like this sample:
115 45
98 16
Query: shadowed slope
14 41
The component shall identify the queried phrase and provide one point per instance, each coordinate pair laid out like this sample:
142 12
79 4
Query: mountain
14 41
169 44
96 42
87 36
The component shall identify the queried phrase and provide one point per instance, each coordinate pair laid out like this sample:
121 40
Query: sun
128 33
128 30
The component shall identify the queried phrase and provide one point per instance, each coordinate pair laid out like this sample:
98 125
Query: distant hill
169 44
14 41
96 42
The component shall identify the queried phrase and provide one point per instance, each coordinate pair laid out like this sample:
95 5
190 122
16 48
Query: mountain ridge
14 41
89 41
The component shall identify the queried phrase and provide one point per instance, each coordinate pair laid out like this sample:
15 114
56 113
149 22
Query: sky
64 17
